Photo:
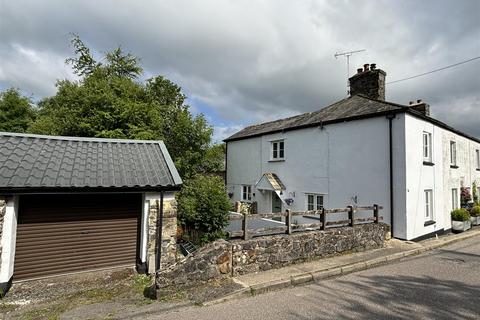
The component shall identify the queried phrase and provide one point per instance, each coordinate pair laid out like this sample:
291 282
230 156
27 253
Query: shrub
203 206
460 215
475 197
475 211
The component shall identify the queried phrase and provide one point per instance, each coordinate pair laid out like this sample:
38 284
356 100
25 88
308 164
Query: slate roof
35 161
350 108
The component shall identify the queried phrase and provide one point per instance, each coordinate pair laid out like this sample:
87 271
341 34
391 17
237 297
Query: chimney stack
420 106
369 82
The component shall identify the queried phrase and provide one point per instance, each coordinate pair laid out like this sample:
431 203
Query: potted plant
475 215
460 220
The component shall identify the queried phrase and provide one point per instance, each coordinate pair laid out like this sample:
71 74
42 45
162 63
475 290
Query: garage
77 204
58 234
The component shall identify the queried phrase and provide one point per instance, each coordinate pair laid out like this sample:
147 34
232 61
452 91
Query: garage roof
38 162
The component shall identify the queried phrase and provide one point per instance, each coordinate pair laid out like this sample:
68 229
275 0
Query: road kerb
244 292
324 274
301 279
270 286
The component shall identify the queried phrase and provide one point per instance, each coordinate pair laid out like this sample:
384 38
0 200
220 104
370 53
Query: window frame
477 158
453 153
455 198
246 193
428 203
277 150
427 146
315 205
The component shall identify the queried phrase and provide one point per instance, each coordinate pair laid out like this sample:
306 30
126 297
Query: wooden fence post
375 213
350 215
323 220
288 222
245 226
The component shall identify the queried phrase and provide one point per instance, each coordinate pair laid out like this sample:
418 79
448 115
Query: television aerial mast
347 55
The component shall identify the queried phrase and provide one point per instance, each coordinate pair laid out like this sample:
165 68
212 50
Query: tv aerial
347 55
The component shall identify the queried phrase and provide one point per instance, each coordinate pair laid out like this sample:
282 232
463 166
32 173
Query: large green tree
110 101
16 111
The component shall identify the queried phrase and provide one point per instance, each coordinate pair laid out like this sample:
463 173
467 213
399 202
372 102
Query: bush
475 211
460 215
203 206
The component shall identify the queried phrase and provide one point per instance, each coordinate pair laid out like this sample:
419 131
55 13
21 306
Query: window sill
453 166
276 160
429 223
428 163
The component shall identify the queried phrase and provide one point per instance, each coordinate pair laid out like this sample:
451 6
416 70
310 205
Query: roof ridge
384 101
79 139
295 116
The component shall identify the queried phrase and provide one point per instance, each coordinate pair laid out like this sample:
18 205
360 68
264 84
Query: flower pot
460 226
475 220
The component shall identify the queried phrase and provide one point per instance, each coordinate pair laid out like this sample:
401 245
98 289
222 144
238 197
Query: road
440 284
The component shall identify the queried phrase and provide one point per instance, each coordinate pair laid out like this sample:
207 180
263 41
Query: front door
276 203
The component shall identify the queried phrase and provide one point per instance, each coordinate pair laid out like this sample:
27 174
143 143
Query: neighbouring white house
358 151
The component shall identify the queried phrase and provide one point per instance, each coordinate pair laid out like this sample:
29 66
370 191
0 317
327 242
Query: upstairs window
246 193
453 153
477 158
278 150
427 147
314 201
428 205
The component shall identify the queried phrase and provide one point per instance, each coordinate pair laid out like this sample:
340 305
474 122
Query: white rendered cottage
358 151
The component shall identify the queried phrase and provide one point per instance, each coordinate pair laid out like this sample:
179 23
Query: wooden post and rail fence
289 227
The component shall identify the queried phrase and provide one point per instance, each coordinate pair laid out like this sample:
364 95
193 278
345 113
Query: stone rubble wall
265 253
223 258
169 233
213 261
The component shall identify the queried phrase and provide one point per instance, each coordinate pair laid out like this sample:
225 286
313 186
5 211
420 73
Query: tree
203 206
109 101
16 111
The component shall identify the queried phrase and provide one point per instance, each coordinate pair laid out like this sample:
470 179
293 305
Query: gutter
390 118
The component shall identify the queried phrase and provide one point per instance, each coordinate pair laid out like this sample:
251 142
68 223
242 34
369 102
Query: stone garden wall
231 258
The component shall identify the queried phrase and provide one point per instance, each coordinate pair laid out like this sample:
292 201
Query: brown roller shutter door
58 234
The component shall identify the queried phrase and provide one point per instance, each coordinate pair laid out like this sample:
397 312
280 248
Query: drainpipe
390 118
226 153
159 233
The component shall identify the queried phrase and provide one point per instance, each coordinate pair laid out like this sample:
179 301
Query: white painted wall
9 239
440 177
341 161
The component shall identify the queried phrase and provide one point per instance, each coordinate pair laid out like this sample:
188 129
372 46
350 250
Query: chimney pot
365 67
419 100
359 70
373 66
410 103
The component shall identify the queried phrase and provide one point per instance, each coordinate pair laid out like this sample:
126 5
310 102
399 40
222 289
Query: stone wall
212 261
264 253
231 258
169 231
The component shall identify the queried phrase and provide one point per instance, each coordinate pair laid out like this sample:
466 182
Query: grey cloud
253 61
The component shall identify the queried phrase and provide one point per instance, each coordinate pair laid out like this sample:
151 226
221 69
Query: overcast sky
243 62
